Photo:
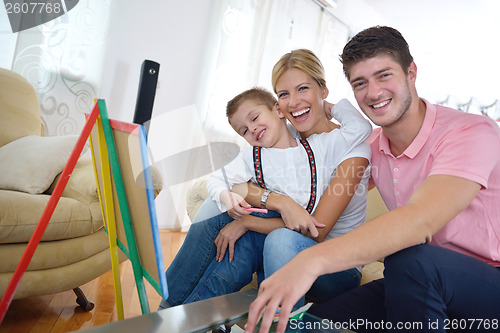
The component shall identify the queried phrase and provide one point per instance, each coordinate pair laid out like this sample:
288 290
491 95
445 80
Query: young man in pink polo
438 171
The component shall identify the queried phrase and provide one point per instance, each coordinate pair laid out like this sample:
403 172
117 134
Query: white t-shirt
287 171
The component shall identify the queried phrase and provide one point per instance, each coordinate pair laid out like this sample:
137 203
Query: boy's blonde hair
302 59
258 95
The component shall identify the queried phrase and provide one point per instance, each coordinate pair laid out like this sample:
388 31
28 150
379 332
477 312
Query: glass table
219 314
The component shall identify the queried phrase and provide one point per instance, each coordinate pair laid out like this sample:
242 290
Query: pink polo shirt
454 143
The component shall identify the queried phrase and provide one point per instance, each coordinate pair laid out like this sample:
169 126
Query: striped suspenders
259 175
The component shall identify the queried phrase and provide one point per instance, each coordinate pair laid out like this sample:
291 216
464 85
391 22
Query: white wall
455 43
174 34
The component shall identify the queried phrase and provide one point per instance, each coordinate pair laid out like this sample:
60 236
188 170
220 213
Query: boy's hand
235 204
328 109
227 237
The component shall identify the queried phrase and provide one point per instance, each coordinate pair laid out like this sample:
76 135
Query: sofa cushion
373 271
196 194
31 163
62 277
19 108
20 213
49 255
81 185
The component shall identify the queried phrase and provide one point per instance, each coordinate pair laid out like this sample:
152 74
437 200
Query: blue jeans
426 286
195 274
281 245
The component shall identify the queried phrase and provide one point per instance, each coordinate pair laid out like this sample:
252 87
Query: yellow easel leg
109 213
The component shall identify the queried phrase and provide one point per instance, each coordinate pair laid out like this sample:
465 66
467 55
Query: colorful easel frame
144 250
119 152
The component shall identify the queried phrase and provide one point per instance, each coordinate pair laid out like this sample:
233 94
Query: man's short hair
373 42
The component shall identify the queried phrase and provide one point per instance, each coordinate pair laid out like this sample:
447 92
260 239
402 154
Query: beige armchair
74 249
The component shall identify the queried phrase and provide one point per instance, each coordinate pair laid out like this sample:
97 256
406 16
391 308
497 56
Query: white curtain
250 36
63 61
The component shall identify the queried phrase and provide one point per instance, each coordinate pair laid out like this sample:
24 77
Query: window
250 36
7 40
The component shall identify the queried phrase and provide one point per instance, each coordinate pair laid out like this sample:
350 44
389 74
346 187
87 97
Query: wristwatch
263 199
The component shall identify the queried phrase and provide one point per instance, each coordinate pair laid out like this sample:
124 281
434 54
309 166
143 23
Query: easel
126 206
127 199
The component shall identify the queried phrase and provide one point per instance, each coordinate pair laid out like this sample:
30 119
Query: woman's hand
294 216
227 237
298 219
234 204
284 288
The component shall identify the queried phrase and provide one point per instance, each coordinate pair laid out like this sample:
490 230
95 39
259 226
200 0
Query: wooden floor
60 313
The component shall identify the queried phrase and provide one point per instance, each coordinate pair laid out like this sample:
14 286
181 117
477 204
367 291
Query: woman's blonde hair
302 59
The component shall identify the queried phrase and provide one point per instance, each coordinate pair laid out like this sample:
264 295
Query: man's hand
227 237
284 288
234 204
